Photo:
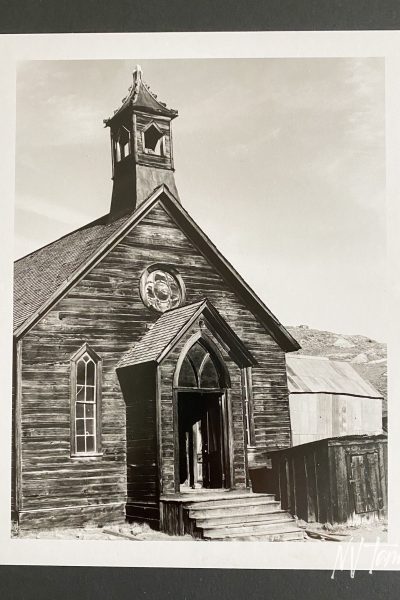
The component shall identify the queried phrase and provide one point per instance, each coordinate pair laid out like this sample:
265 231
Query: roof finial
137 79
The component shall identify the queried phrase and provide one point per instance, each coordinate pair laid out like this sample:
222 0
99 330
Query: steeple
141 147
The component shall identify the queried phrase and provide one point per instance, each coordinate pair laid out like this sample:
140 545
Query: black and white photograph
199 348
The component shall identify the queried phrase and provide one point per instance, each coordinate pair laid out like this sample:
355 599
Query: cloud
30 205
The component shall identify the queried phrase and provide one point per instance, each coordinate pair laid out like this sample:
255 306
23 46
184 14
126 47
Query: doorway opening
202 419
201 457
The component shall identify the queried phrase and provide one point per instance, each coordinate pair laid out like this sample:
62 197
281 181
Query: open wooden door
201 456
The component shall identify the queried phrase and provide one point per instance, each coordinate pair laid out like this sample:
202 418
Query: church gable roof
43 277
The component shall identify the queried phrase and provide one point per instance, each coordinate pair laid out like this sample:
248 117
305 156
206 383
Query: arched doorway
201 385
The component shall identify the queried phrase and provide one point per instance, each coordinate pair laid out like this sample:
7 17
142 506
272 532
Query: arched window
85 405
122 146
200 369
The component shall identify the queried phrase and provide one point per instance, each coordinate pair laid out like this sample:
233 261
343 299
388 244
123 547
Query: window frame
198 370
160 141
122 144
97 451
248 407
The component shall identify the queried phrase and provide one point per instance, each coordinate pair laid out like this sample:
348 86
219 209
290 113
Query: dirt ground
142 532
129 531
368 532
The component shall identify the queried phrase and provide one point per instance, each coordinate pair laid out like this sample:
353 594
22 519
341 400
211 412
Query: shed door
365 482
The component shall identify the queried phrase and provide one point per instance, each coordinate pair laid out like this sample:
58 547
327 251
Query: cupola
141 147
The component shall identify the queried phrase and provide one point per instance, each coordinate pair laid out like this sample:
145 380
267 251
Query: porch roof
169 328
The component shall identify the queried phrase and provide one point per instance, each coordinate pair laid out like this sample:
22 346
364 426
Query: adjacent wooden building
144 365
334 480
328 398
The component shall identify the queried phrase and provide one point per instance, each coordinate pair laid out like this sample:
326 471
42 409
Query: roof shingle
164 330
39 274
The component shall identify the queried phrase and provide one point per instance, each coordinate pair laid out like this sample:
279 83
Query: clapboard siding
139 389
335 480
317 416
153 159
105 310
13 436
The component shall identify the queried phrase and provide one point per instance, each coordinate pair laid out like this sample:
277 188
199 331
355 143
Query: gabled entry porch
184 387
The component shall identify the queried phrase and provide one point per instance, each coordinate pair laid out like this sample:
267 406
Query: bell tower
141 147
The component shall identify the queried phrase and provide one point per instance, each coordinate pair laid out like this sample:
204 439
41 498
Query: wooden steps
238 518
242 516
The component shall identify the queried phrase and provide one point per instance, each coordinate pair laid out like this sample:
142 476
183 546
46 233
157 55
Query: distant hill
366 355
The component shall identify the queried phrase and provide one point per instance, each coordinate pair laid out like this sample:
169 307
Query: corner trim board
18 445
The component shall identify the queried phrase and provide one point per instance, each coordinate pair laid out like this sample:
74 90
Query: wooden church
149 379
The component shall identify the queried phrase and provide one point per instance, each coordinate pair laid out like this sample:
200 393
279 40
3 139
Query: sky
280 161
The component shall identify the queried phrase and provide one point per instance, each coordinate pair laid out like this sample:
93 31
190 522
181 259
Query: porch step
225 509
202 495
234 500
296 535
243 516
259 528
239 518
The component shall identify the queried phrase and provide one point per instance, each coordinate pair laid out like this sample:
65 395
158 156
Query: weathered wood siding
168 413
13 435
335 480
105 310
315 416
163 160
139 389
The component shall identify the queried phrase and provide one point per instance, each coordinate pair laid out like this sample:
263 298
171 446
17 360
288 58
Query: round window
161 288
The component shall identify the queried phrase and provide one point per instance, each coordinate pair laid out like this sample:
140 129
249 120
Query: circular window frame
167 268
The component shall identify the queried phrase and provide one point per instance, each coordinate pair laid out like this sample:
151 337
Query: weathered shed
335 480
328 398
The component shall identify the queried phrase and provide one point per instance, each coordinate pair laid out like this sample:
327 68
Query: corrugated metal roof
164 330
311 374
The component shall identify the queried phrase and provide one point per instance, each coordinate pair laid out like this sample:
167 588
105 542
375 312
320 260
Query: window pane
197 355
90 443
187 377
80 444
80 373
209 376
89 394
85 405
90 373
